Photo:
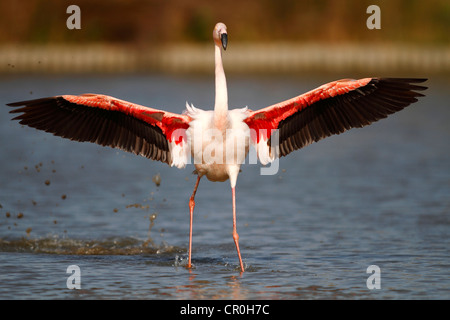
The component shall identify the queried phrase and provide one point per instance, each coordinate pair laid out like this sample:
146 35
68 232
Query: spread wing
106 121
330 109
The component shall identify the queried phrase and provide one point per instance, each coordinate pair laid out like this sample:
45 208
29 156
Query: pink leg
235 234
191 212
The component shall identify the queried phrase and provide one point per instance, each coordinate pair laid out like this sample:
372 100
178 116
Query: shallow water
373 196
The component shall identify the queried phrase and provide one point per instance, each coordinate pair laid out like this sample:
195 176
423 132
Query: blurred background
264 36
379 195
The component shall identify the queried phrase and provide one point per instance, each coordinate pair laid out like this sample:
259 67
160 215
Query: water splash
181 262
109 246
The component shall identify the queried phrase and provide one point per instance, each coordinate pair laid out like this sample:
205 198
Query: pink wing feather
331 109
106 121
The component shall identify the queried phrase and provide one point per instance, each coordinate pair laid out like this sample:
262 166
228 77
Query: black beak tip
224 39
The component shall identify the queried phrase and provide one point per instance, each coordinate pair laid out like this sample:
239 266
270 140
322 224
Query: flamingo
214 138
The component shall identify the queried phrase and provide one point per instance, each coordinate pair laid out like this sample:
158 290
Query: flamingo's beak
224 39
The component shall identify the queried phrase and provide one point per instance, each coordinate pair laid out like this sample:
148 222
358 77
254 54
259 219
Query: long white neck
221 103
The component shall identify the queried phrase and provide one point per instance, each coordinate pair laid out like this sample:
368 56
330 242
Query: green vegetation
166 21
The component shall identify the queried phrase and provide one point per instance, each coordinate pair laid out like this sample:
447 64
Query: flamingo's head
220 35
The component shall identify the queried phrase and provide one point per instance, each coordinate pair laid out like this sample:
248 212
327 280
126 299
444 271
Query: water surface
373 196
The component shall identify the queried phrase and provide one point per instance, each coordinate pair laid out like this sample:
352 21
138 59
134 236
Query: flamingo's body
217 141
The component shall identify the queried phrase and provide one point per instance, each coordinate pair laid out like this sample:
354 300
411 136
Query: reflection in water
228 288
